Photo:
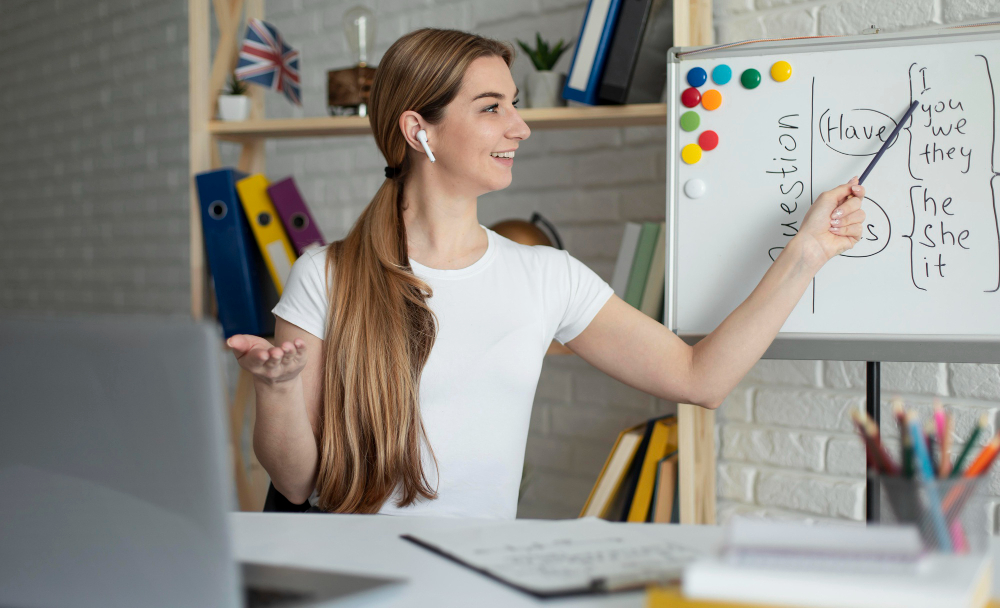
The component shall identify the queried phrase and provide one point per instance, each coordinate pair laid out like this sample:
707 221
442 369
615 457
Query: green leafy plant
542 56
236 87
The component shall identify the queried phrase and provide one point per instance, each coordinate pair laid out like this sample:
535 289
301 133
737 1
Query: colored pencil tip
897 406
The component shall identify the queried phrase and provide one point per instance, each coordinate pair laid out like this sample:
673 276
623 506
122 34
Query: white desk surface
370 544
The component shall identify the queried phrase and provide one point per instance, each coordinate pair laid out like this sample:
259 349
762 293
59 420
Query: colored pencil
956 469
889 467
930 485
929 435
904 438
940 420
985 458
871 461
949 427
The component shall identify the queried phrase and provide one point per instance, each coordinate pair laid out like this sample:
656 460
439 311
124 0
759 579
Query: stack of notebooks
639 480
248 224
621 53
639 274
794 564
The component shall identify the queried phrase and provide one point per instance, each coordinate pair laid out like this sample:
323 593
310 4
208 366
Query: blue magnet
722 74
697 77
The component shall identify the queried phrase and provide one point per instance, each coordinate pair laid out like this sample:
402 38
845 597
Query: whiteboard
924 283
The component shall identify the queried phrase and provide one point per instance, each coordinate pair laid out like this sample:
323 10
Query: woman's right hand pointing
268 363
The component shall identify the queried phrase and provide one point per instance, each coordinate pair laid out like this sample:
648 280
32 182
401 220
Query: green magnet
750 78
690 120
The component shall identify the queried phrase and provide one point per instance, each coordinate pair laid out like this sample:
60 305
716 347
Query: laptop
115 473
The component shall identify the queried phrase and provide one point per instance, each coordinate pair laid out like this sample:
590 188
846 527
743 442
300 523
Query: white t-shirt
496 318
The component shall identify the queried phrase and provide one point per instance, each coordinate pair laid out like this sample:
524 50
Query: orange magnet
711 100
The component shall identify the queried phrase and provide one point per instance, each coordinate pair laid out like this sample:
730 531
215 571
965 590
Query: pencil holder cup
950 513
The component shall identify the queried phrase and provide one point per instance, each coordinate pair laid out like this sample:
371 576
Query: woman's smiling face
480 121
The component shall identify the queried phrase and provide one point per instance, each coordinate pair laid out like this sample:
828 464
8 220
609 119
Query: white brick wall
93 161
93 216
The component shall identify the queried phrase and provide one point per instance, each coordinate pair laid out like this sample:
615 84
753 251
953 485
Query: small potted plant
234 103
544 87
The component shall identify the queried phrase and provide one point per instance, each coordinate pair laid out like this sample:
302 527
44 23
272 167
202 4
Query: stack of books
249 224
640 271
795 564
639 480
621 53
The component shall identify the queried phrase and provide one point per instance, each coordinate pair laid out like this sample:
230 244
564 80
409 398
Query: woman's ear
411 123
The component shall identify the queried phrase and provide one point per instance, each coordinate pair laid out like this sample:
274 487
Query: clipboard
548 559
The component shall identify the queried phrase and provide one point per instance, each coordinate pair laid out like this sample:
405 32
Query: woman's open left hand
834 222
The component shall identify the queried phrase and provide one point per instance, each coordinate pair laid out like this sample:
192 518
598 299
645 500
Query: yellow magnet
691 153
781 71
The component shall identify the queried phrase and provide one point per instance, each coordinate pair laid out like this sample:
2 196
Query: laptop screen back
114 476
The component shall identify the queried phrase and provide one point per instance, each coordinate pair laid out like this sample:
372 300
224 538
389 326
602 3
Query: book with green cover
640 267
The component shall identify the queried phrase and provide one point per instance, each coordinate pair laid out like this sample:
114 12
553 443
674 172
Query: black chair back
276 502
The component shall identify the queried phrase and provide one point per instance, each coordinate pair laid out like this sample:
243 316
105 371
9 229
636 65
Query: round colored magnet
708 140
711 100
691 153
697 77
750 78
722 74
690 120
694 188
781 71
690 97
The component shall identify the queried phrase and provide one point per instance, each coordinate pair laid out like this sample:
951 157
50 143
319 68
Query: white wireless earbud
422 136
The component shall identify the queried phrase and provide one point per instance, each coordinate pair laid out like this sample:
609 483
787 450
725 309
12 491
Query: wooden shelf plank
648 114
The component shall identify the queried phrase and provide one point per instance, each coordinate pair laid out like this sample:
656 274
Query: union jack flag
266 60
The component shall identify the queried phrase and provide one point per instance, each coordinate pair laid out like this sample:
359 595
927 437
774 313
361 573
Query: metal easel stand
873 406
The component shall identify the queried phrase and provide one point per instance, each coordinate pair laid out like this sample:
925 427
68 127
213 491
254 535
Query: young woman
410 350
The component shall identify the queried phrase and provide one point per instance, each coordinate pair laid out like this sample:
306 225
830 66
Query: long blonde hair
380 329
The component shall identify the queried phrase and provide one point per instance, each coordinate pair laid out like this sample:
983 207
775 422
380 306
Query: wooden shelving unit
692 19
537 118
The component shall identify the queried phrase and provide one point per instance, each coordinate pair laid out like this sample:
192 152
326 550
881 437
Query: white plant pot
234 107
544 89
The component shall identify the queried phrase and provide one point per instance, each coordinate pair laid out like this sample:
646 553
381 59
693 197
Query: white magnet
694 188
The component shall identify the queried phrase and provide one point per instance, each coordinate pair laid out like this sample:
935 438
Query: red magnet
690 97
708 140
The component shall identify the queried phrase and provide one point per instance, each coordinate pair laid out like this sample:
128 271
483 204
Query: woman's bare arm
288 382
637 350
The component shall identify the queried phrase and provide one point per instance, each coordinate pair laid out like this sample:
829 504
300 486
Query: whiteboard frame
825 346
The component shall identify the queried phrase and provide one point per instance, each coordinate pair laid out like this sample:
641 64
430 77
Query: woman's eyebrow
499 96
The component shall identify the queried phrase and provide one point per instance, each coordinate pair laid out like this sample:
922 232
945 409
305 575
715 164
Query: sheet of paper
552 557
